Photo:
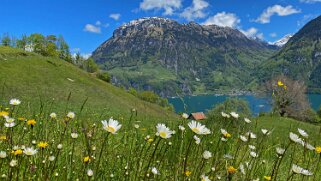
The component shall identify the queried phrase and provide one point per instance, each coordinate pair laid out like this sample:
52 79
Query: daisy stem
186 154
151 158
101 151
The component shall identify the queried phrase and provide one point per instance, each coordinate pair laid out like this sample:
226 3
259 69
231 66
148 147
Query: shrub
232 104
102 75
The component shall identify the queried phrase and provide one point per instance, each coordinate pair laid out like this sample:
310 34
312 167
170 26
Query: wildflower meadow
51 145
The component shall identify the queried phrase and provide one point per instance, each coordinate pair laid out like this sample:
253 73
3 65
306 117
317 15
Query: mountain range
171 58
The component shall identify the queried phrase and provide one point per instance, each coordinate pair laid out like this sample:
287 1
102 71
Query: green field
35 146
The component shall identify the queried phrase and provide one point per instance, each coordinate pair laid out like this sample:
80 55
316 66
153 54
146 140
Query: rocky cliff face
168 57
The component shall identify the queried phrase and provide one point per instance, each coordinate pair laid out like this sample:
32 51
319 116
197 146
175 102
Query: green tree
39 43
6 40
103 75
22 43
91 65
63 49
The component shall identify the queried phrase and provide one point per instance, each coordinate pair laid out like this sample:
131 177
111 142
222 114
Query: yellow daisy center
111 129
196 130
163 134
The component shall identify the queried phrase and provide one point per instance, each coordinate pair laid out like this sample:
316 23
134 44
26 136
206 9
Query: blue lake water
205 102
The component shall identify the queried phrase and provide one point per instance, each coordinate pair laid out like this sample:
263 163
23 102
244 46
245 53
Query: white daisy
197 139
247 120
74 135
112 126
295 138
265 131
253 154
235 115
243 138
182 128
30 151
252 147
207 155
185 116
53 115
242 169
13 163
15 102
71 115
155 171
303 133
225 115
3 154
280 151
90 172
298 170
250 135
198 128
204 178
163 131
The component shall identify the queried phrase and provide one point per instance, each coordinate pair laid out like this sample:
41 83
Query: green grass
37 79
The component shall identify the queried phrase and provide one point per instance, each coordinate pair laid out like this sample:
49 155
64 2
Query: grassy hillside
48 81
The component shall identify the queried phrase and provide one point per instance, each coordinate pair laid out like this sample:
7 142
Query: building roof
197 116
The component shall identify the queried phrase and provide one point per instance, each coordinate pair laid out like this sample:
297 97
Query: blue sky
86 24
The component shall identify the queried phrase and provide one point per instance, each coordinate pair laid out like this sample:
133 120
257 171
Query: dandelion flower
303 133
112 126
30 151
4 114
31 122
71 115
225 133
90 172
267 178
280 83
188 173
3 137
318 149
198 128
231 170
235 115
86 159
163 131
43 144
15 102
17 152
207 155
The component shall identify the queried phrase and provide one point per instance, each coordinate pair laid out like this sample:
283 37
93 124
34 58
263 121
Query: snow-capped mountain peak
281 42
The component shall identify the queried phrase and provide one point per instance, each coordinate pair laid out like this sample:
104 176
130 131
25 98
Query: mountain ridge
190 57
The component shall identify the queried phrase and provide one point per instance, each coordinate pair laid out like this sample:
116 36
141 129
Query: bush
239 106
104 76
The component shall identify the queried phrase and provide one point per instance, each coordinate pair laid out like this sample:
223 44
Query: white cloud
252 33
92 28
115 16
83 55
98 23
223 19
276 10
195 11
310 1
168 5
273 35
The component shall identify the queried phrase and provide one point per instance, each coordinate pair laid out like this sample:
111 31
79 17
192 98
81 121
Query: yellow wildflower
231 170
86 159
267 177
284 87
17 152
188 173
318 149
143 129
3 137
4 113
31 122
21 119
42 144
150 140
280 83
227 135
